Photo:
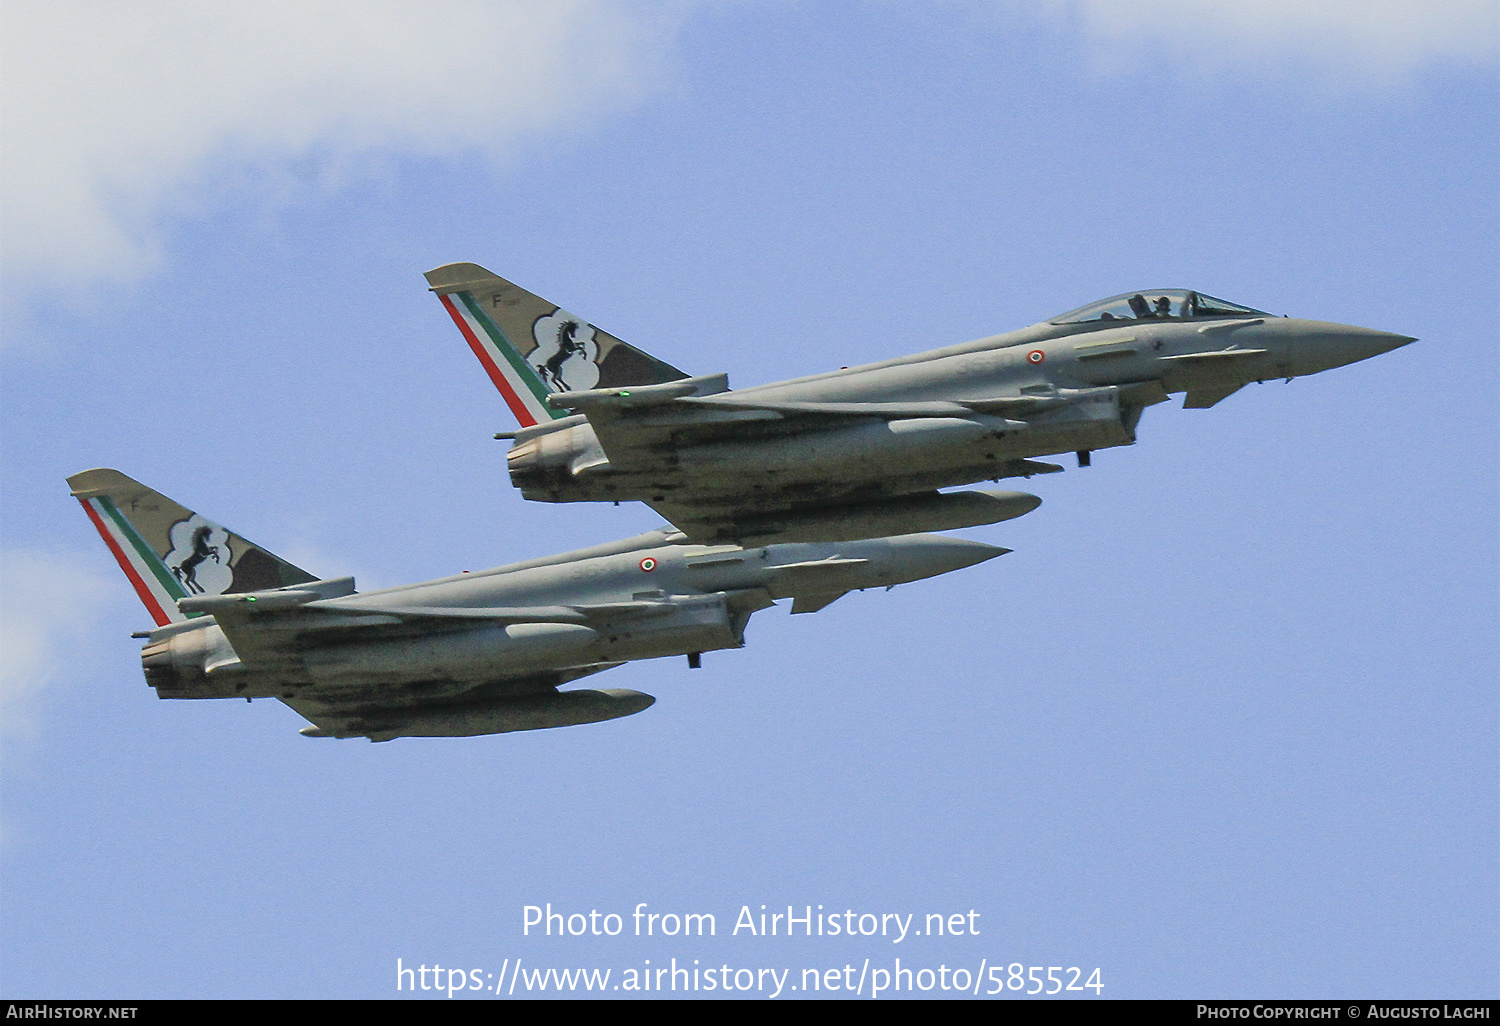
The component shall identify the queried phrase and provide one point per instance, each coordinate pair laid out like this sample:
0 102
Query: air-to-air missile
862 451
475 653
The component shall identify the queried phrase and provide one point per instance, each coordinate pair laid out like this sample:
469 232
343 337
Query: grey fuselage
965 413
535 624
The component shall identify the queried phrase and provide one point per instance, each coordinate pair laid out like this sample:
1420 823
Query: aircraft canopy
1176 304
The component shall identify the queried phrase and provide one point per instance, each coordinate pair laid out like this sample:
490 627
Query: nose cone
1362 343
1319 346
917 556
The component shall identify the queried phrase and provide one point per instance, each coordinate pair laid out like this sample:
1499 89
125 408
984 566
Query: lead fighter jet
861 452
480 653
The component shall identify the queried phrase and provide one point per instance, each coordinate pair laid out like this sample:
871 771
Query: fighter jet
476 653
862 451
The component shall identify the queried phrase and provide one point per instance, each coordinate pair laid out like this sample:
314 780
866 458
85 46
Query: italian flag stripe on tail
513 376
145 571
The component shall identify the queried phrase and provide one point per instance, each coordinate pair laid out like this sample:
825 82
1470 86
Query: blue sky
1225 723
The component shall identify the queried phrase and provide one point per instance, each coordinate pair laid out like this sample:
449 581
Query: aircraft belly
453 662
1068 437
695 624
753 482
822 463
479 653
1224 378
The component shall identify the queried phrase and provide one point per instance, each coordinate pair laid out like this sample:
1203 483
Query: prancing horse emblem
200 557
187 571
566 354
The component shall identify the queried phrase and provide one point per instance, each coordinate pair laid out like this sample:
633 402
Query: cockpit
1162 304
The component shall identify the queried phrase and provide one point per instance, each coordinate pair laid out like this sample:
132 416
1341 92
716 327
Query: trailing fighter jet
477 653
861 452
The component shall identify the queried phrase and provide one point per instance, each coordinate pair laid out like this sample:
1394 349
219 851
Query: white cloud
116 115
49 605
1377 41
111 110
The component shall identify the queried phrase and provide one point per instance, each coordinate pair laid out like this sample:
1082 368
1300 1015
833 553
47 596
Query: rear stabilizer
532 348
169 552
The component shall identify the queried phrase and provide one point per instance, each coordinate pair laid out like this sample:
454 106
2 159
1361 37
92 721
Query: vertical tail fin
169 552
532 348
